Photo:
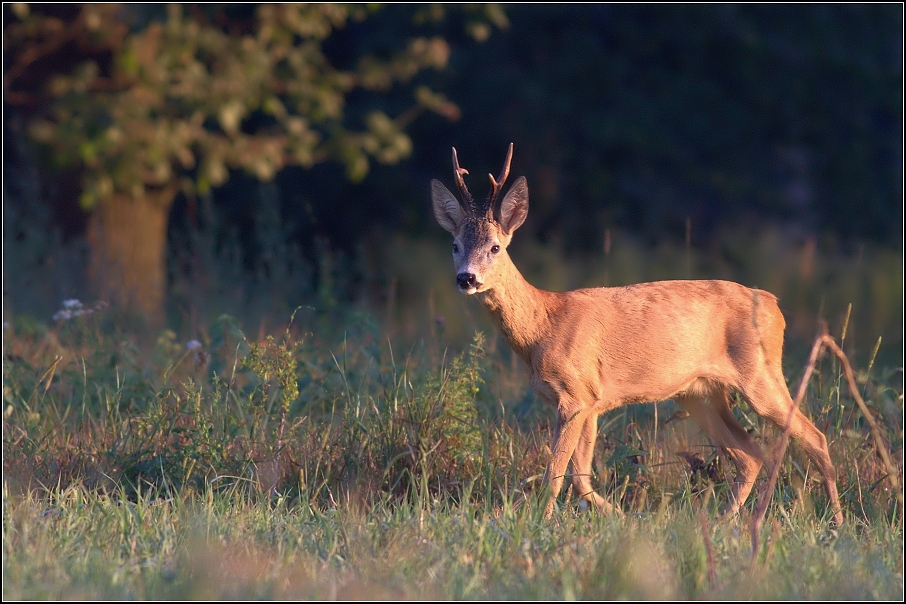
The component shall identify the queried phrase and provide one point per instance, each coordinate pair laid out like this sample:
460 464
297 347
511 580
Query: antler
497 185
463 190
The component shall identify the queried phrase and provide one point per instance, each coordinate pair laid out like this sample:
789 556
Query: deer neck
519 309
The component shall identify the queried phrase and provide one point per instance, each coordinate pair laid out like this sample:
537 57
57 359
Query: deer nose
466 280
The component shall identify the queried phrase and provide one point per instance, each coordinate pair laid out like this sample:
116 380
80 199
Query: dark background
641 116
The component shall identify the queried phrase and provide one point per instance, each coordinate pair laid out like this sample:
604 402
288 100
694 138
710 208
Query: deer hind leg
566 438
582 462
771 399
716 418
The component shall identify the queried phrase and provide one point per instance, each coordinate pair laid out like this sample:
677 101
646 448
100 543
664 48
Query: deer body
592 350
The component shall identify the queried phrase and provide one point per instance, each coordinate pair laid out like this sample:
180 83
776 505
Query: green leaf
230 116
87 200
357 167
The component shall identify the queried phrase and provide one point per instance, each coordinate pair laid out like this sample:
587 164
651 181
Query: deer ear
514 207
447 210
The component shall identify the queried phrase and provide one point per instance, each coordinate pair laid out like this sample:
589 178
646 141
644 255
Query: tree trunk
128 243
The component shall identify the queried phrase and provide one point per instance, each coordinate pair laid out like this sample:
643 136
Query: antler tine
463 190
497 185
504 173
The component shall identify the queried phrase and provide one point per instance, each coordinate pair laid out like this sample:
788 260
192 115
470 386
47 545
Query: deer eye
495 249
455 249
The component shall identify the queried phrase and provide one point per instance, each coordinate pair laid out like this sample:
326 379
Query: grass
324 462
79 545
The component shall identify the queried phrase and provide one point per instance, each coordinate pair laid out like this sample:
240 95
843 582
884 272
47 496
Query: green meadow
347 450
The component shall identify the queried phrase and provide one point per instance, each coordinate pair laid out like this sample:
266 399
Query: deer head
480 237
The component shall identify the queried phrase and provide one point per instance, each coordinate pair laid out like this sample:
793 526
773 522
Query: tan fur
592 350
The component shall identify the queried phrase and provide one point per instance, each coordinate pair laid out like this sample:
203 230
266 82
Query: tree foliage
182 98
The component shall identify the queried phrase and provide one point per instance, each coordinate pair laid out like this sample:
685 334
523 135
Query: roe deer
592 350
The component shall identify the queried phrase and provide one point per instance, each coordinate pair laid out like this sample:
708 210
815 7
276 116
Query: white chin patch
469 290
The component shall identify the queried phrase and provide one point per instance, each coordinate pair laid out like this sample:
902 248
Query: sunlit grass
76 544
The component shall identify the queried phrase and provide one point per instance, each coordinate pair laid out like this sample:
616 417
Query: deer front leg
570 424
582 463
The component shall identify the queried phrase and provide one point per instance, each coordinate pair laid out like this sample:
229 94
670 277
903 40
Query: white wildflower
74 308
193 344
